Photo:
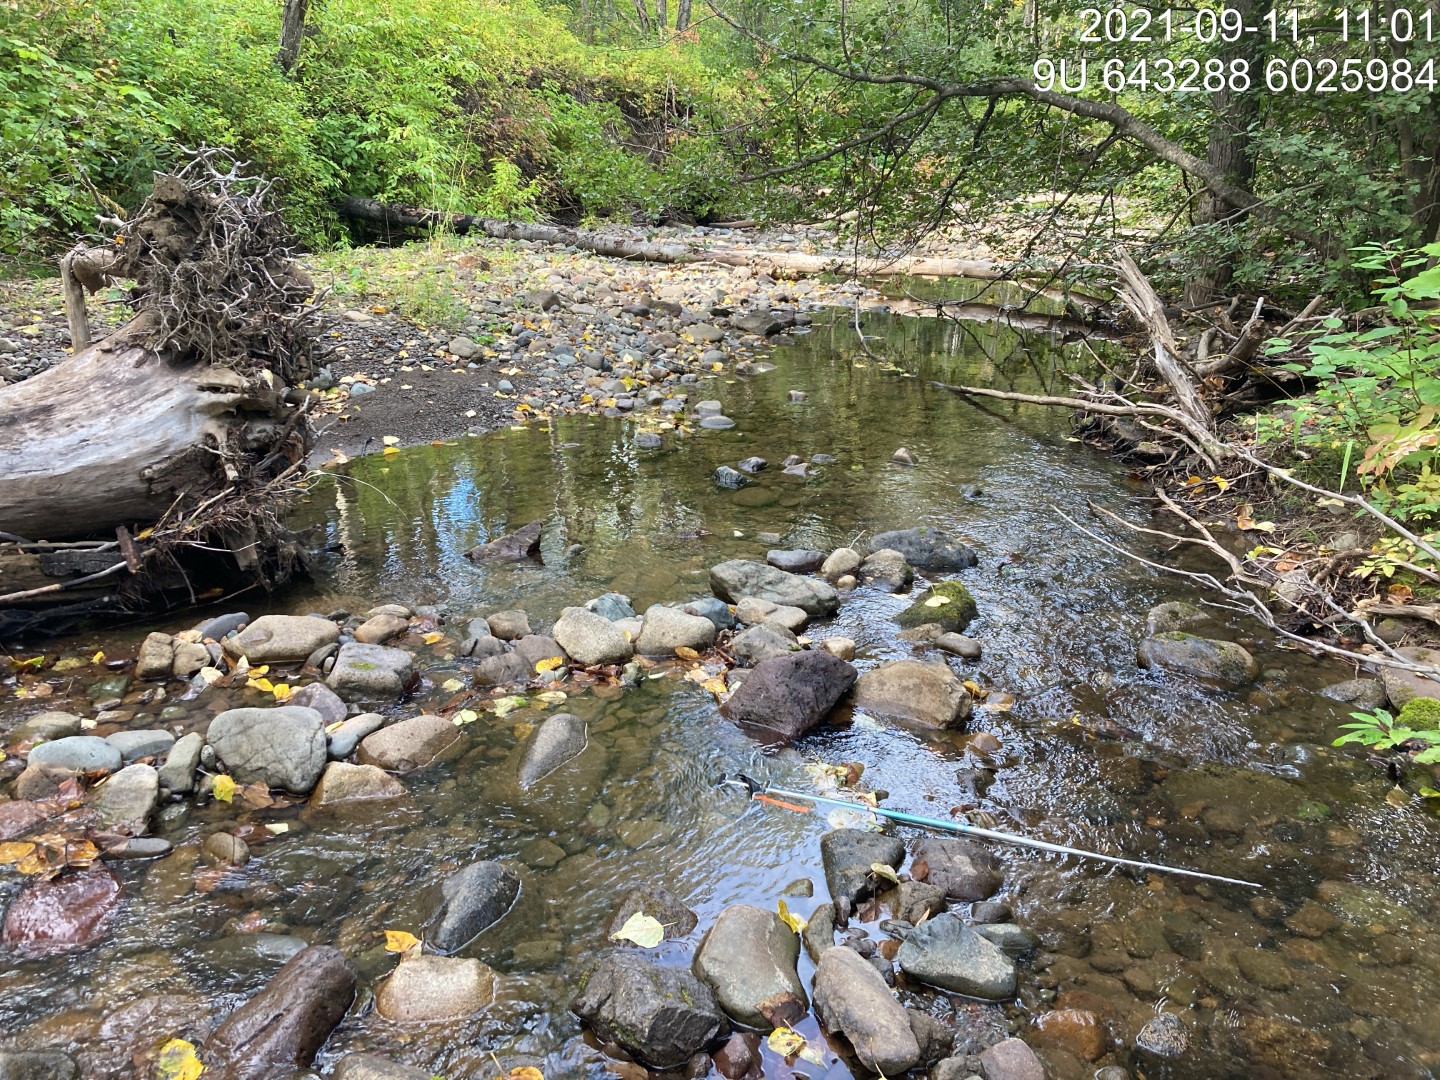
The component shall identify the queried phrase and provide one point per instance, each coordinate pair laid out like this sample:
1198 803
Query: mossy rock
947 603
1207 658
1420 713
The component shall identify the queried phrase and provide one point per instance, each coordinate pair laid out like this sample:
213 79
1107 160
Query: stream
1330 969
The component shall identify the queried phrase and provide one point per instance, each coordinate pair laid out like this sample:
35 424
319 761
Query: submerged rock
359 1066
748 959
430 988
1011 1059
734 580
944 952
912 690
520 544
37 1065
471 900
558 739
852 998
929 549
661 1016
785 696
1206 658
66 912
1401 686
283 747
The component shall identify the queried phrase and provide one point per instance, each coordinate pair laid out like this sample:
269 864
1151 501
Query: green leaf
644 930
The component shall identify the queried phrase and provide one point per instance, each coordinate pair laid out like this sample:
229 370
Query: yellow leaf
432 637
1220 482
976 690
14 852
401 941
885 871
279 828
281 691
177 1061
716 686
223 788
389 451
523 1072
451 686
644 930
686 653
553 697
787 1042
260 684
144 534
523 729
790 919
506 705
937 601
550 663
465 716
98 658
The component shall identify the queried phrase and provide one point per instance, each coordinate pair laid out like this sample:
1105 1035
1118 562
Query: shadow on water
1330 970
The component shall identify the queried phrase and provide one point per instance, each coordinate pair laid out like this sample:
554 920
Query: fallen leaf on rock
550 663
400 941
522 1072
790 919
978 692
937 601
177 1061
336 726
14 852
686 653
885 871
432 637
223 788
644 930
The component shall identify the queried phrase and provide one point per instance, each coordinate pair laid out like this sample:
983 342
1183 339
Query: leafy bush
1381 731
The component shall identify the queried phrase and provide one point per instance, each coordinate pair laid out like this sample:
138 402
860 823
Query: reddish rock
739 1058
1075 1031
67 912
18 817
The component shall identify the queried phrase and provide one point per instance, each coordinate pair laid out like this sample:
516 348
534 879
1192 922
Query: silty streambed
1330 970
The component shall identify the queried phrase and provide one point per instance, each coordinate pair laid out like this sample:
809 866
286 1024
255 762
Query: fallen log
780 264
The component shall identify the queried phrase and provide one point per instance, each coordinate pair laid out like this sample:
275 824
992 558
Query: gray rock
719 423
660 904
286 1023
612 606
502 668
819 932
282 639
558 739
463 347
80 753
666 629
215 629
785 696
1366 695
341 742
1175 615
322 699
847 855
840 563
706 332
915 901
887 569
483 646
758 643
1010 939
648 440
156 656
959 645
929 694
282 747
726 477
926 548
755 612
748 959
190 657
523 543
1011 1059
136 847
46 726
1402 686
591 639
409 745
370 672
1206 658
177 775
345 783
471 900
714 609
796 560
944 952
128 796
761 323
134 745
533 648
661 1016
753 465
964 869
851 998
370 1067
37 1065
509 625
739 578
380 628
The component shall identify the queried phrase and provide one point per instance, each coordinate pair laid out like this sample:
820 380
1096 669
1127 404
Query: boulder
370 672
471 900
128 797
532 649
502 668
156 657
944 952
190 657
44 726
661 1016
282 639
342 783
1011 1059
322 699
558 739
847 855
379 629
660 904
929 549
758 643
409 745
424 989
69 911
1401 686
842 562
915 901
612 606
78 753
666 629
509 625
282 747
851 998
283 1026
886 569
714 609
134 745
1206 658
739 578
591 639
929 694
795 561
842 648
748 959
370 1067
341 742
963 868
755 612
520 544
947 604
785 696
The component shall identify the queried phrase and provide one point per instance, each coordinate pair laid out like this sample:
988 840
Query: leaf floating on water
790 919
177 1061
506 705
465 716
552 697
400 941
644 930
390 440
789 1043
524 729
451 686
978 692
223 788
432 637
886 871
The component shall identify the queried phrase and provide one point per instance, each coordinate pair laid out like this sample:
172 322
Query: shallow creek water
1241 783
